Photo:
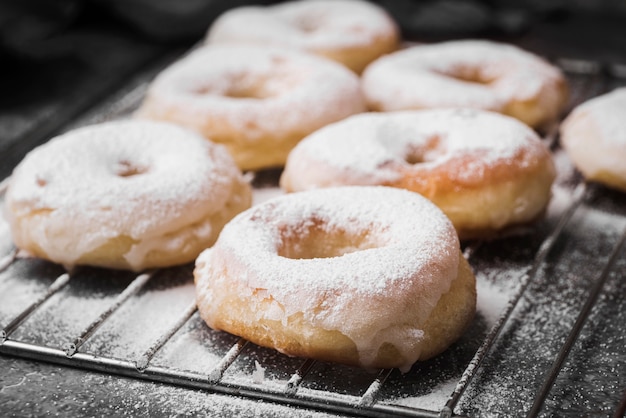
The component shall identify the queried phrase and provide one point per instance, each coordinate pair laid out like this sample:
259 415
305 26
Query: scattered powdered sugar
137 325
318 25
258 376
181 402
77 393
197 348
492 299
19 287
432 401
493 296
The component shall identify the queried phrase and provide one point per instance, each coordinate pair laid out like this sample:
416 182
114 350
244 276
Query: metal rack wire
370 398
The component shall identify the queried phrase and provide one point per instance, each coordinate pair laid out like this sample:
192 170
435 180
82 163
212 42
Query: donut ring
485 171
365 276
123 195
258 102
353 33
594 137
476 74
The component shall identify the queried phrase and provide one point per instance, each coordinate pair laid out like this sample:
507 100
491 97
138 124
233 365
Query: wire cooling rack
548 338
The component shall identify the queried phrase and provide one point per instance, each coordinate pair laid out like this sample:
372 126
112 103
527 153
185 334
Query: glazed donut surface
351 32
366 276
485 170
257 101
469 73
594 137
127 195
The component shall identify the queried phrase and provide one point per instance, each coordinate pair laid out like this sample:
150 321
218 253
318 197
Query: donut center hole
125 168
468 75
307 23
426 152
415 158
260 86
236 91
318 242
244 91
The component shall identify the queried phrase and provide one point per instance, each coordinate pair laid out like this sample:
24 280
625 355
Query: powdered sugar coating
203 82
253 99
396 281
469 73
610 110
150 182
594 136
367 149
486 171
320 26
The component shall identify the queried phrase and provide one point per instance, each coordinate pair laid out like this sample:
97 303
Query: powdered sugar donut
594 137
351 32
257 101
470 73
367 276
486 171
127 194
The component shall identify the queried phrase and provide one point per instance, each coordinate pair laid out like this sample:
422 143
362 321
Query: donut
486 171
594 137
351 32
257 101
469 73
123 195
367 276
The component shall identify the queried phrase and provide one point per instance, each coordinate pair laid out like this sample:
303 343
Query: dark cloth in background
28 26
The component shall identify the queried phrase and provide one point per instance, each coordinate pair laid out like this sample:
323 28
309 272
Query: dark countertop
35 389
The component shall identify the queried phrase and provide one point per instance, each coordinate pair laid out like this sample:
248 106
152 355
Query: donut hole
321 241
251 86
248 91
415 157
467 74
125 168
307 23
236 91
431 150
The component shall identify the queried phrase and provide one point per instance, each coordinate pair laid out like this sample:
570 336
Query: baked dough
470 73
257 101
365 276
351 32
594 137
124 195
486 171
